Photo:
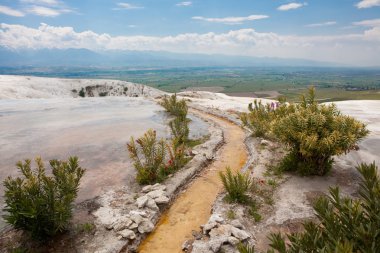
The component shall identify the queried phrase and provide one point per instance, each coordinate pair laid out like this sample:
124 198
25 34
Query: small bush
175 107
258 119
245 248
179 128
177 157
82 93
236 185
148 154
314 134
86 228
41 204
345 224
103 94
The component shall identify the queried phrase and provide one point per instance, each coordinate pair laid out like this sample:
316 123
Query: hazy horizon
341 32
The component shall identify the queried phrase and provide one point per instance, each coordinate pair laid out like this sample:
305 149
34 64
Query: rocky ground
119 219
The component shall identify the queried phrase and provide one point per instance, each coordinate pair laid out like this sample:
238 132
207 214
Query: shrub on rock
148 154
345 224
175 107
315 133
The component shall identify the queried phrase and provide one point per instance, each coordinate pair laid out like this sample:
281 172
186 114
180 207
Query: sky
339 31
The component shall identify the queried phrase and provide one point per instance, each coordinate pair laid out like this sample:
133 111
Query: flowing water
192 207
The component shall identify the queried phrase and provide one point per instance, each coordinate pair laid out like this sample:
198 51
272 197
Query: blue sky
334 30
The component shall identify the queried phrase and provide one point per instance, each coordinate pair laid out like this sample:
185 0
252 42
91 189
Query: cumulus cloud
127 6
291 6
231 20
367 4
358 48
327 23
10 12
184 4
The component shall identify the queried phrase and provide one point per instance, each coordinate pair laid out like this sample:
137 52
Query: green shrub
258 119
177 157
314 134
82 93
245 248
236 185
148 154
175 107
103 94
179 128
345 224
41 204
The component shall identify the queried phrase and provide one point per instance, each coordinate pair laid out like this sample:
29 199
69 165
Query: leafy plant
41 204
314 134
180 130
245 248
148 154
236 185
82 93
177 157
253 211
345 224
175 107
258 119
86 228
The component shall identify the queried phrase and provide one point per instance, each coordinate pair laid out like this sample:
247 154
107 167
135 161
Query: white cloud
184 4
327 23
368 23
127 6
231 20
42 2
44 11
367 4
355 48
10 12
291 6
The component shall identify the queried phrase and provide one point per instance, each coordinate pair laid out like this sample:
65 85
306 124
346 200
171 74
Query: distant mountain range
87 58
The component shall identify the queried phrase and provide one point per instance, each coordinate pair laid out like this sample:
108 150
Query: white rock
145 227
142 201
186 245
137 218
128 234
208 226
122 224
200 246
232 240
133 226
157 193
216 243
237 224
151 204
162 200
239 234
142 213
216 218
159 187
194 152
146 189
223 230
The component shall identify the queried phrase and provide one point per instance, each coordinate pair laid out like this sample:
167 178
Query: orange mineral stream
192 208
